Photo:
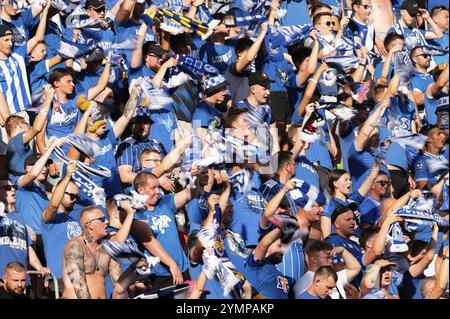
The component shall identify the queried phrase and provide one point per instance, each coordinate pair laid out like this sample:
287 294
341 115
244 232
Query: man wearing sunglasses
421 78
371 206
60 222
407 25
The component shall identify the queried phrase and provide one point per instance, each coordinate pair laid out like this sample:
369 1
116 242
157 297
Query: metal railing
55 280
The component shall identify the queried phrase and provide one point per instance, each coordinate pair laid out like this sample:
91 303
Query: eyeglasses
72 196
102 219
329 23
9 187
425 55
384 183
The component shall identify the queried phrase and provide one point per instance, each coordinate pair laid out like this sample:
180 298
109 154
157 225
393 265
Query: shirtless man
85 262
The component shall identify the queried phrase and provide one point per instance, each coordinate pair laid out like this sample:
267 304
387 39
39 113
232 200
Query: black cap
33 158
341 209
259 78
411 6
4 30
153 47
97 55
96 4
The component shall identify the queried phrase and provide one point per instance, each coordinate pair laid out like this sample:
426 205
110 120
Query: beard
276 258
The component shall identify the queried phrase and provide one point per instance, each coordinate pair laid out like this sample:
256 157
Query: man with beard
60 222
14 279
421 78
371 206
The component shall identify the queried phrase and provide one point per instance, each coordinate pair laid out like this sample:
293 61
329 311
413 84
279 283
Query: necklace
96 255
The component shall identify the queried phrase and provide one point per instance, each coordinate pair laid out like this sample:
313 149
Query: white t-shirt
306 280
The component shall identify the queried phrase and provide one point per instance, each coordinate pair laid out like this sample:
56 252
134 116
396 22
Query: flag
403 66
195 67
345 63
414 140
73 50
241 180
83 144
156 98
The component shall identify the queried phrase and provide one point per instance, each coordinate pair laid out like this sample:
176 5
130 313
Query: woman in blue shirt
341 194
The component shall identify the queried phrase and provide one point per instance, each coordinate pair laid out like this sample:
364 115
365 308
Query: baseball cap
152 47
259 78
97 55
341 209
213 84
96 4
4 30
411 6
33 158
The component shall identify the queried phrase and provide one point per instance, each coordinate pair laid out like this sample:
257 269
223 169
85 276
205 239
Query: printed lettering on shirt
160 223
73 230
105 149
283 284
19 35
166 121
12 234
222 58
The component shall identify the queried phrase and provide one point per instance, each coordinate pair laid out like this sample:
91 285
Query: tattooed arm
115 270
128 111
74 265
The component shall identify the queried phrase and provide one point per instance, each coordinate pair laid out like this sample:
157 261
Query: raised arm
260 251
312 61
310 88
372 275
417 269
74 266
39 122
273 205
172 158
436 32
28 178
102 81
136 54
441 276
58 194
352 265
159 76
125 11
40 31
128 111
124 230
248 58
434 88
364 189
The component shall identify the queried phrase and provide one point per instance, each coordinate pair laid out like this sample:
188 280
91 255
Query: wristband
444 257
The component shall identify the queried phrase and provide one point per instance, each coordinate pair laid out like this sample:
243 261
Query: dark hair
356 2
233 114
438 9
299 54
427 129
319 6
58 74
242 45
317 17
333 176
283 159
327 272
366 234
391 37
416 246
413 51
315 246
12 122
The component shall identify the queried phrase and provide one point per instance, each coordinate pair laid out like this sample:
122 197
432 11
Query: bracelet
313 80
363 64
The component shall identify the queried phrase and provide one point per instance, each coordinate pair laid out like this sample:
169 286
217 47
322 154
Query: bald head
89 213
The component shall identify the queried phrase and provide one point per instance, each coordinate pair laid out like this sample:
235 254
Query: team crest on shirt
283 284
411 41
214 123
73 230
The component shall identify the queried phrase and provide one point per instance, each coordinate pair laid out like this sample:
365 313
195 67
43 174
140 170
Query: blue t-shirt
63 118
163 127
207 116
218 55
306 171
297 12
410 287
420 81
197 210
267 112
30 203
106 158
163 224
353 247
247 211
318 150
281 72
55 234
17 153
38 72
440 42
21 25
271 188
14 241
370 210
431 105
359 165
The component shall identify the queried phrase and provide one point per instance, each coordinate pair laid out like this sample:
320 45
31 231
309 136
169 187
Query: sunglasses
425 55
367 6
9 187
72 196
330 23
99 10
102 219
384 183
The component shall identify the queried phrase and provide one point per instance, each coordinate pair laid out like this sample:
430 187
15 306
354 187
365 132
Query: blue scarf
195 67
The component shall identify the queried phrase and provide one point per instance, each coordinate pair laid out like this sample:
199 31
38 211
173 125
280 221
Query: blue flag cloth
72 50
195 67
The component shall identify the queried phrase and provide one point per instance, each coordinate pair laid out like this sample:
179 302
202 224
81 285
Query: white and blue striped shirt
14 83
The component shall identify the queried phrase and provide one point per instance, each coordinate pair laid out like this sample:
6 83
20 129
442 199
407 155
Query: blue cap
306 195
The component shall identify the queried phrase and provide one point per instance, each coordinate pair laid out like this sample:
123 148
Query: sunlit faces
151 189
7 192
441 19
323 286
6 44
39 52
343 184
421 59
437 138
65 85
70 196
150 159
346 223
260 93
96 13
14 281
